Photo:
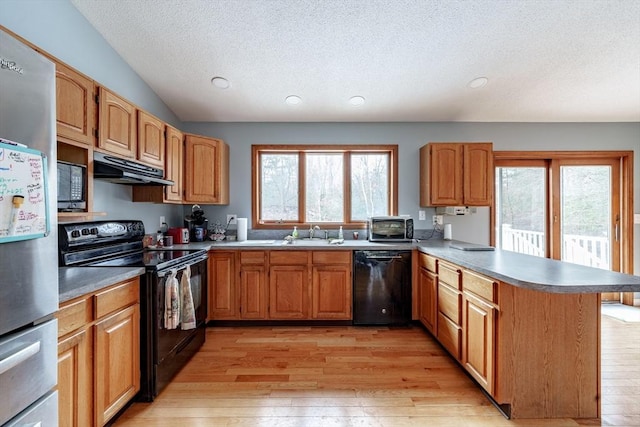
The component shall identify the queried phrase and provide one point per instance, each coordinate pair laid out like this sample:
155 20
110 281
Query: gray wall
410 137
57 27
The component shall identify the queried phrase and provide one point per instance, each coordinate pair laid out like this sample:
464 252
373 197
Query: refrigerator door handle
17 358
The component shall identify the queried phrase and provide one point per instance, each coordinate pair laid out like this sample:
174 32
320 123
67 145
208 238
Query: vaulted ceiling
411 60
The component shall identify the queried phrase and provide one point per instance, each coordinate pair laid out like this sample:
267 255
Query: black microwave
390 229
72 187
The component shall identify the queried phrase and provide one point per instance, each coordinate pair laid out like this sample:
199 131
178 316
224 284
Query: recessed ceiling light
356 100
220 82
478 83
293 100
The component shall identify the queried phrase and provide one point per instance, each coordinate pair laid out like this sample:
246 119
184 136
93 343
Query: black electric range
164 348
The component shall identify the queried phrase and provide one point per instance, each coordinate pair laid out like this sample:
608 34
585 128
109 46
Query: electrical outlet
232 218
422 215
162 221
438 220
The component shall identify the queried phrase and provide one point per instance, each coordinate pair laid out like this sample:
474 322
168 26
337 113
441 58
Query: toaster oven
390 229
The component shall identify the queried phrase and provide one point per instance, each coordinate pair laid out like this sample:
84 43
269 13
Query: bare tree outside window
279 192
369 185
323 184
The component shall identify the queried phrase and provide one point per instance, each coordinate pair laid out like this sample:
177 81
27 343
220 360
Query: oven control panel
84 233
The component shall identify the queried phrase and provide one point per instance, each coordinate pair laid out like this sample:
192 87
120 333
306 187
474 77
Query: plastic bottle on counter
340 234
159 239
294 234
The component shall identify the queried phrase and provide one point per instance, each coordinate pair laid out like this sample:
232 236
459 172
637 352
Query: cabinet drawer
428 262
120 296
449 302
74 315
331 257
449 335
288 257
482 286
252 257
449 274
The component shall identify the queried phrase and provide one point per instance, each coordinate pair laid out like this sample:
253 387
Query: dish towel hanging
187 315
171 301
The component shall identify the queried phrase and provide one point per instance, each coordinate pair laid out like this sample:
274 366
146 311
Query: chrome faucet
312 229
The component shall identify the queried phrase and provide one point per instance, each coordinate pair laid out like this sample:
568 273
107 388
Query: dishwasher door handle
388 258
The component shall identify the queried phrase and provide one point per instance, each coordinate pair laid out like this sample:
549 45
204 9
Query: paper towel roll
242 229
447 232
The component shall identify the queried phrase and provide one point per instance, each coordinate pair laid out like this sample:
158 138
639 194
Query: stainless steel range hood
124 171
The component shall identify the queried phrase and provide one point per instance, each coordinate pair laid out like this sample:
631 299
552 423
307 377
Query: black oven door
165 349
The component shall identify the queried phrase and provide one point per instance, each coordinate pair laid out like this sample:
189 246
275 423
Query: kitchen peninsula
526 328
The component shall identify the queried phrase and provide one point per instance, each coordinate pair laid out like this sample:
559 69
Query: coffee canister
199 234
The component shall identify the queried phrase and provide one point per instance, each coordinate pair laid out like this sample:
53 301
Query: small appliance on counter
180 235
197 224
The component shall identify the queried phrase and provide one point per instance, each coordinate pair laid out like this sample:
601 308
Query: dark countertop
78 281
540 274
524 271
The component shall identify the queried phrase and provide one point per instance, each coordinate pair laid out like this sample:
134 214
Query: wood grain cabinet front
332 288
289 285
206 170
117 125
454 174
75 106
254 300
223 301
151 140
98 354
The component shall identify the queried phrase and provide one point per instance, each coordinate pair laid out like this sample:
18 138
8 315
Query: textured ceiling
546 60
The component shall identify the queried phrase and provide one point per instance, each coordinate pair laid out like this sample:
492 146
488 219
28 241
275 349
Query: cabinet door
222 286
206 170
478 346
75 106
441 174
478 174
331 292
428 299
288 292
117 362
75 380
174 165
253 291
118 125
151 140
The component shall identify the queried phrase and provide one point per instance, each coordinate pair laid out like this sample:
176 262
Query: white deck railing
583 250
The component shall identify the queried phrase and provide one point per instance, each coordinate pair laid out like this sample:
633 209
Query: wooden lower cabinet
288 292
478 346
117 362
428 294
75 379
98 354
223 303
536 353
280 285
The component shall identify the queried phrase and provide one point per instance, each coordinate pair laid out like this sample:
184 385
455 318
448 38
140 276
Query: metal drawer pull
19 357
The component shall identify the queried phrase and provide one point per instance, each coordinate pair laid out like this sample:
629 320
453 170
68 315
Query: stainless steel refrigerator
29 267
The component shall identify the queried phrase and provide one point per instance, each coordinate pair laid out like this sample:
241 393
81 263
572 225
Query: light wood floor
350 376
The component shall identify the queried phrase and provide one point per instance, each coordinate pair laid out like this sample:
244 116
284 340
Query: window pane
369 185
586 215
324 192
279 191
520 209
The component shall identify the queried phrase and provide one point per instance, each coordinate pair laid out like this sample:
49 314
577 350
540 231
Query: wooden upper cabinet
151 140
173 165
454 174
478 174
206 170
118 125
75 106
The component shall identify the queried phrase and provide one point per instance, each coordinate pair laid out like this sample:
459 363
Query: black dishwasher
382 287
